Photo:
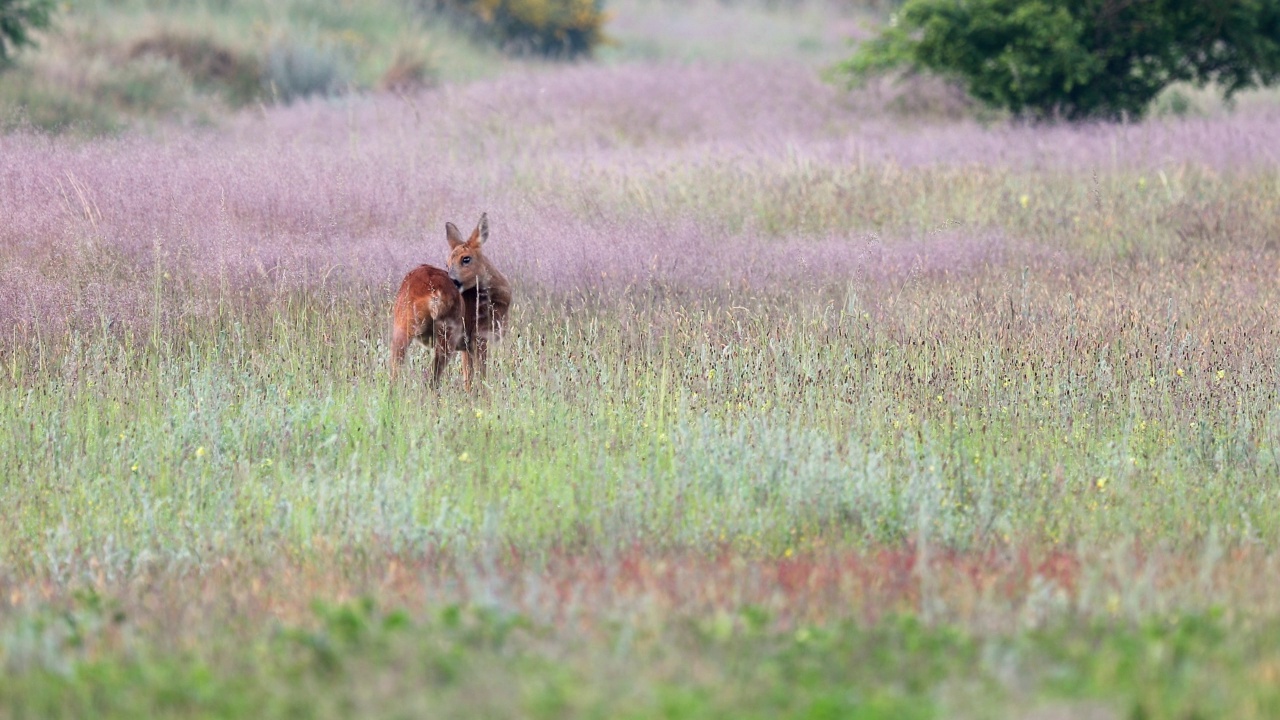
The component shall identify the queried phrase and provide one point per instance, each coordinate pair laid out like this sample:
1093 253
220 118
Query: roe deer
486 295
429 308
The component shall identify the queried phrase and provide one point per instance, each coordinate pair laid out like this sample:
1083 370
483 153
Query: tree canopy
1079 59
17 19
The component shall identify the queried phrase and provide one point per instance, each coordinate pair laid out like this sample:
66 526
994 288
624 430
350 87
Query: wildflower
479 413
464 457
134 468
1102 483
1222 374
1179 372
1024 201
200 451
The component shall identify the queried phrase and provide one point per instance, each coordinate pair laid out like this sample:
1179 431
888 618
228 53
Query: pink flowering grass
754 172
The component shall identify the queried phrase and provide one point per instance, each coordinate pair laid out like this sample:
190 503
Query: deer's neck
493 288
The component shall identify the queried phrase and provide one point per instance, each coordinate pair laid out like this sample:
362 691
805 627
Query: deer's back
428 303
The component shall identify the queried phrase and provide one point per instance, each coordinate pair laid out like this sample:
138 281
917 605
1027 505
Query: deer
427 308
486 295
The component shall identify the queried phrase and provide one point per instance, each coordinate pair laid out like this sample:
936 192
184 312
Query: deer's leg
444 346
467 368
400 340
480 353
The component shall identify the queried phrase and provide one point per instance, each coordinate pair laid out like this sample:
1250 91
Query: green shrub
209 65
26 102
553 28
1080 59
296 70
17 19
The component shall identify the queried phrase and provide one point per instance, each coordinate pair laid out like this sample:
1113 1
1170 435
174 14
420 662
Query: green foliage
29 103
207 64
17 19
295 71
1080 59
553 28
465 661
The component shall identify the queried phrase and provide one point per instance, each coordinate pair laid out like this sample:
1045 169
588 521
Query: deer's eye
466 260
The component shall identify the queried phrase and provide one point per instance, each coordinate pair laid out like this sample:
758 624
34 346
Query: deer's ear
482 230
452 235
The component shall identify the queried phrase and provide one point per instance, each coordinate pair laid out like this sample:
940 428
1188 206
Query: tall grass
774 365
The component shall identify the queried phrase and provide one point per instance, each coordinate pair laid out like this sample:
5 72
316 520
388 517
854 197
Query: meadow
815 403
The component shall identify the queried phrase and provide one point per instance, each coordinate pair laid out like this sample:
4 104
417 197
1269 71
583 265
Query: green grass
475 662
745 424
796 414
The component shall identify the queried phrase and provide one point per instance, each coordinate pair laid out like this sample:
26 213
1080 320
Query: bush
295 71
1080 59
552 28
17 19
208 64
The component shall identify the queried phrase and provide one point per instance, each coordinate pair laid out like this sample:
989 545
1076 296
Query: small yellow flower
1102 483
134 468
464 457
479 413
788 553
1179 372
200 451
1024 201
1222 374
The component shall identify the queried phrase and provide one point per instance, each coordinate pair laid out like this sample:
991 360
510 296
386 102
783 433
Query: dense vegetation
550 28
1080 60
18 18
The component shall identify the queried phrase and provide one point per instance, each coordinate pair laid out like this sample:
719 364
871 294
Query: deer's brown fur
427 308
486 295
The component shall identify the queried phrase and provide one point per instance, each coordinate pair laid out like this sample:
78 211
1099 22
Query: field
816 403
